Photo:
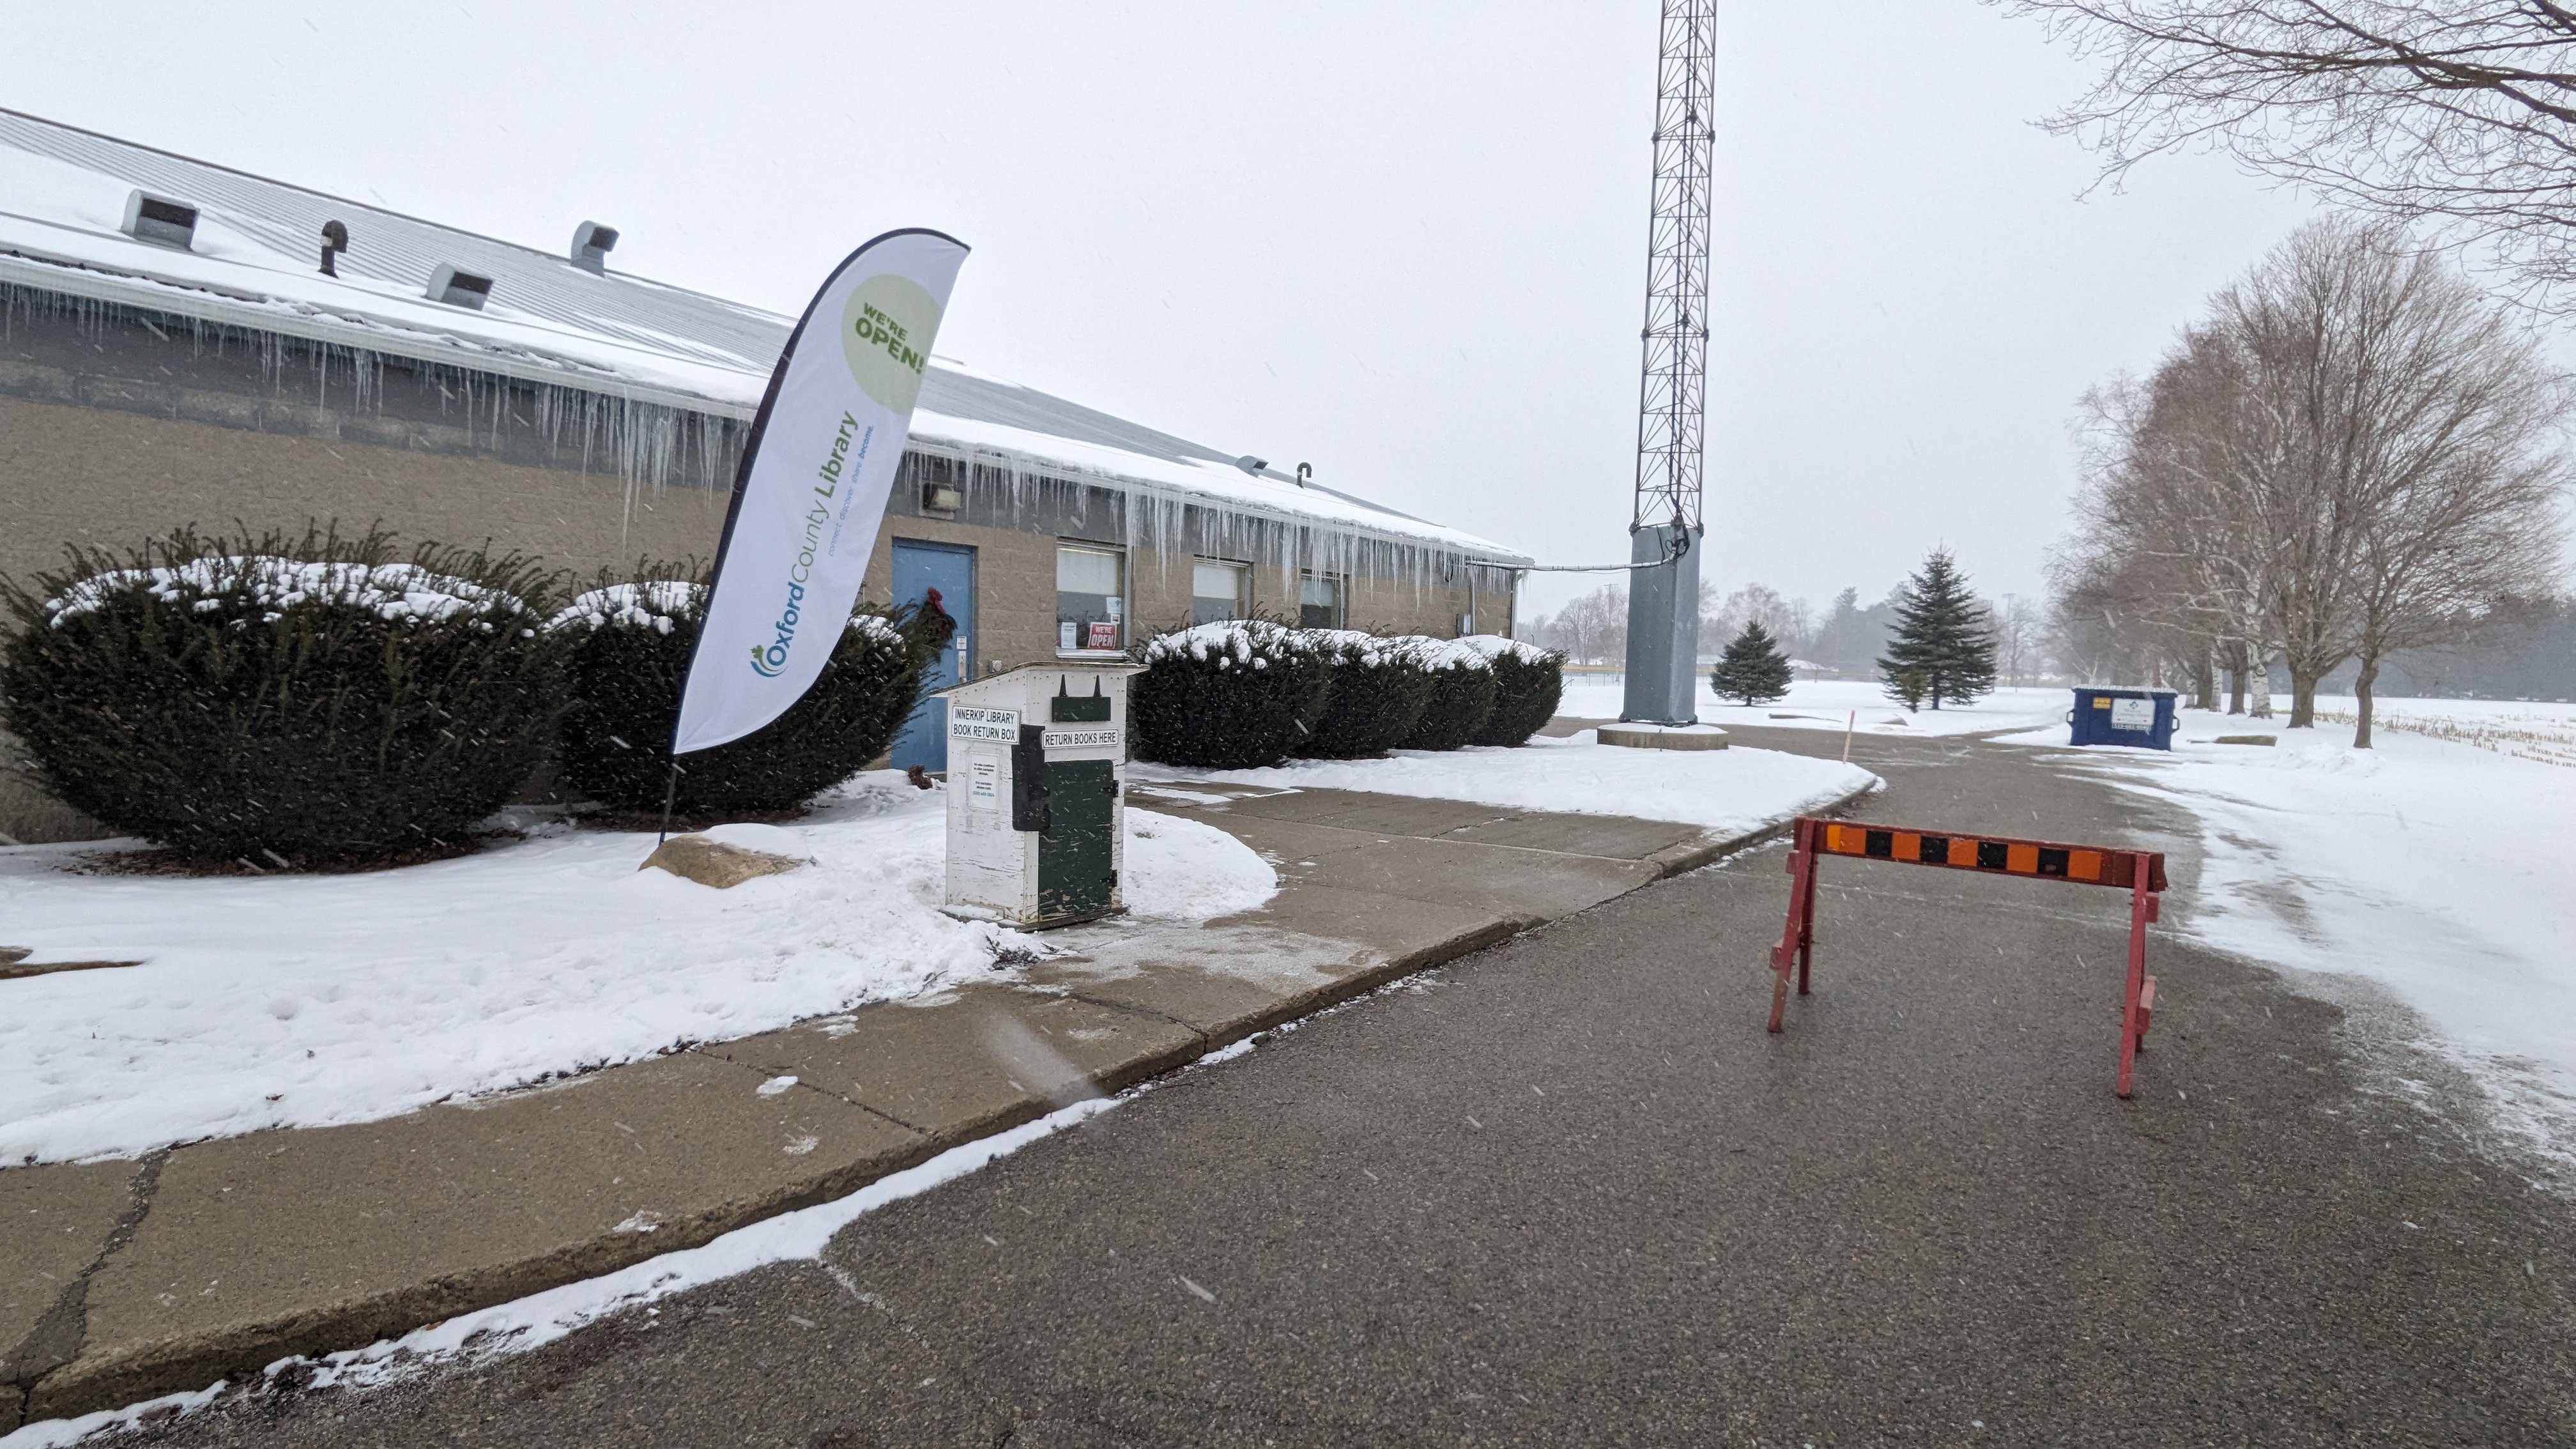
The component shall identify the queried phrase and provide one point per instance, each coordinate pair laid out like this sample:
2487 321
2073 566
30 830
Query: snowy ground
2435 867
1725 790
306 1000
1822 704
2521 728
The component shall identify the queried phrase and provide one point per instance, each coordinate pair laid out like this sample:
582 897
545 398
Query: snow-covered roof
254 260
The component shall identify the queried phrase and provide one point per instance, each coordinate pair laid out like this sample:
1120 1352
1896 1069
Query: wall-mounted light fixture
591 244
459 289
159 220
335 240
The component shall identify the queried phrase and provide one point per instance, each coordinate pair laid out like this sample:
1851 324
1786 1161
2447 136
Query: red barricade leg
2136 994
1793 933
1807 913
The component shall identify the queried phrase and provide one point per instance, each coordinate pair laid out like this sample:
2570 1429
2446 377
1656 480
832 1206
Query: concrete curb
701 1095
1690 857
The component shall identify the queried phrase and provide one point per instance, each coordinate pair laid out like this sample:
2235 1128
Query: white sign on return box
1081 739
1002 725
983 782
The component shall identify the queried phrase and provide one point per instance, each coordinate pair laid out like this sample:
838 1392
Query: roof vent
1251 464
591 244
335 240
159 220
459 289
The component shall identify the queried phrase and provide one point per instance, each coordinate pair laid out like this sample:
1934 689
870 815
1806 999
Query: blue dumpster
2143 717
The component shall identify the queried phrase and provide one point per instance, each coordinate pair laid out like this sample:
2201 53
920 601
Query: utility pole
1665 529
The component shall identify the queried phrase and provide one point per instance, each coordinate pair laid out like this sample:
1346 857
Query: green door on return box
1074 874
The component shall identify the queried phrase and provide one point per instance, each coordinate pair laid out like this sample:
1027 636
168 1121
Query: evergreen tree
1753 668
1940 634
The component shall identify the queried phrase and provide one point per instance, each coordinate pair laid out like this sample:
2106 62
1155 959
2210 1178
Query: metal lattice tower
1673 404
1664 530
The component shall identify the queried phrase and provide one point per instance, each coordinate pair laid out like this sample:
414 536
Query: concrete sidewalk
121 1280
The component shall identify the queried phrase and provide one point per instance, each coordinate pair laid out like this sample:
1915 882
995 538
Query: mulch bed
165 860
684 823
19 969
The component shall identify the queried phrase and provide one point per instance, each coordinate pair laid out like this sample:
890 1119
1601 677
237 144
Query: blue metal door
918 569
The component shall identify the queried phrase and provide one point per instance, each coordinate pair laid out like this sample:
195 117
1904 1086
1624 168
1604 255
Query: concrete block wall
1015 590
79 475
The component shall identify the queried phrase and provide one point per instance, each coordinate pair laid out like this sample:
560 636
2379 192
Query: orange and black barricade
2140 872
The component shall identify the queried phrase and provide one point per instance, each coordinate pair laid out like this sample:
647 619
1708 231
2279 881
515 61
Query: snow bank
1723 790
390 591
308 1000
2413 865
1826 704
1188 870
2527 729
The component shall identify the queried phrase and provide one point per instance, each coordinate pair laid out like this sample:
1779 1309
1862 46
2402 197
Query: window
1319 602
1219 591
1090 597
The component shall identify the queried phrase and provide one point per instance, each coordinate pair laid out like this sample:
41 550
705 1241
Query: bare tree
2458 536
2422 466
2170 570
2457 112
2355 454
1592 629
1789 621
2015 623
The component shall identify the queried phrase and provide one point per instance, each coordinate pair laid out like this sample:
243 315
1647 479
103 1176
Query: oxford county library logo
770 660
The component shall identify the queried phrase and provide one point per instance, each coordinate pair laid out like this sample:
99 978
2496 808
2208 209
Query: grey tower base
1663 629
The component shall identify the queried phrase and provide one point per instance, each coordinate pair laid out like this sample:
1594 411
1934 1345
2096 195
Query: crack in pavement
57 1337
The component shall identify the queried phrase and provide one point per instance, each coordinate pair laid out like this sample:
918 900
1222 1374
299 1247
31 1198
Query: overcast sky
1405 243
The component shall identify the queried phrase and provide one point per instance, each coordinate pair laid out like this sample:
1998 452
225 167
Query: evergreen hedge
1379 692
1462 694
630 656
1529 683
284 700
1229 696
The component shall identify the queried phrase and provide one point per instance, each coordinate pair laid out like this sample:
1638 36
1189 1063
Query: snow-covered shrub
1379 692
630 655
1229 696
1528 684
309 700
1462 693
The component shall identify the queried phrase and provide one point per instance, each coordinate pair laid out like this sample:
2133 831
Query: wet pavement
1568 1192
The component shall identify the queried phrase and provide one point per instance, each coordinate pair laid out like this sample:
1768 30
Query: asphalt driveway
1568 1192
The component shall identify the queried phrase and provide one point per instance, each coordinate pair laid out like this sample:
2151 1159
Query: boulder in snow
714 863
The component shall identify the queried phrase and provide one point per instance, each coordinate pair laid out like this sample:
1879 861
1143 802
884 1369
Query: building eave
1035 462
88 281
